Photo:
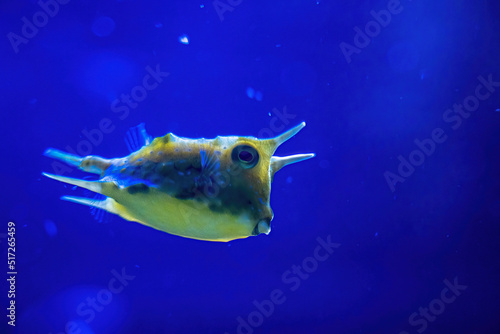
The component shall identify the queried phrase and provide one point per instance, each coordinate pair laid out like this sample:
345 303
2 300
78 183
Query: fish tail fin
94 186
70 159
91 163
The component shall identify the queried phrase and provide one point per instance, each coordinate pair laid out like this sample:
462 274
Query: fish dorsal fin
137 137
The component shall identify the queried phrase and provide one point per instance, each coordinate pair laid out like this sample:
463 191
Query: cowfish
207 189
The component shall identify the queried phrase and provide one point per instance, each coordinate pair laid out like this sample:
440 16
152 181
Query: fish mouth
262 227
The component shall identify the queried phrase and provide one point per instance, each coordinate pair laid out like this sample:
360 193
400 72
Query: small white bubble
258 96
184 39
103 26
50 227
202 6
250 92
289 179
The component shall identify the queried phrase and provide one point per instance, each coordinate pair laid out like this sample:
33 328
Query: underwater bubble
158 24
50 227
403 57
202 6
250 92
103 26
184 39
289 179
258 96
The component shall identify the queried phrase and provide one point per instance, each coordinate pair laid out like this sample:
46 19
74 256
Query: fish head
247 168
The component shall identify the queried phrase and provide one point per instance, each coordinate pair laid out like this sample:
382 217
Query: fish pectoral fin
94 186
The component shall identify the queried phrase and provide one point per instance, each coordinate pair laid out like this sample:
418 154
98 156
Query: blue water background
233 72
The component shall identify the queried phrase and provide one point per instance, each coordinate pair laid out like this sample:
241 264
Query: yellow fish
207 189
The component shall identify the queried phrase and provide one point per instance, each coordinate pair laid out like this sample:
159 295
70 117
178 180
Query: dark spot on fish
182 165
165 168
196 164
215 208
155 179
185 194
147 168
138 188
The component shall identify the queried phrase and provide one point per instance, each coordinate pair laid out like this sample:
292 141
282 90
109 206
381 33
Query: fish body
207 189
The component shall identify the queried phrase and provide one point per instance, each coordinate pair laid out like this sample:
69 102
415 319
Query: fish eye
246 156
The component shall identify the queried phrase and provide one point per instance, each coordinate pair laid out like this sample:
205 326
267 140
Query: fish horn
279 162
273 143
